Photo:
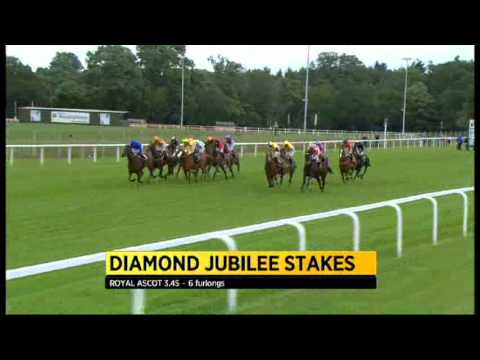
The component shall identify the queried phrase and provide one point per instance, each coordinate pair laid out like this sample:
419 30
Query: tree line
343 91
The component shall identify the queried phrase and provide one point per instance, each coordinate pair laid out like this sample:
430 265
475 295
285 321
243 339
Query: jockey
158 145
230 145
314 152
274 149
348 147
289 151
361 152
172 146
137 149
188 144
199 150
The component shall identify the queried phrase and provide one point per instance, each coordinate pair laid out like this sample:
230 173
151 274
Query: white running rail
138 303
371 144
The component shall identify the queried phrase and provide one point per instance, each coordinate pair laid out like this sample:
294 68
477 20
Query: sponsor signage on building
36 116
104 119
70 117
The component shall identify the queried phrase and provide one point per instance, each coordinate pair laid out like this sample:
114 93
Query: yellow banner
241 263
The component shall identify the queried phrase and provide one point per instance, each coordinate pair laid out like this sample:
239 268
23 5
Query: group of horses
350 165
178 158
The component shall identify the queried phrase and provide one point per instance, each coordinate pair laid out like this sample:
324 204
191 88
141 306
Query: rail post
118 153
138 303
465 212
255 150
41 155
11 156
356 229
94 154
398 209
302 236
435 219
241 151
231 293
69 155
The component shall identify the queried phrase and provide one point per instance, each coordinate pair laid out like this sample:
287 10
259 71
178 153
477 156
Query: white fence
138 303
245 147
332 132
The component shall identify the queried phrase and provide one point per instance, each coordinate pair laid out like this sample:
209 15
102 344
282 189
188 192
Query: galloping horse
214 158
231 158
362 162
273 169
318 171
188 164
288 167
347 164
156 160
136 164
171 159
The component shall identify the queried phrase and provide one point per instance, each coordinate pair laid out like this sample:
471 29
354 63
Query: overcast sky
273 56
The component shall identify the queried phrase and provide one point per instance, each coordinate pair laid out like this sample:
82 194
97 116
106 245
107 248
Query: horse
289 167
171 159
362 162
232 159
315 170
273 169
189 165
136 164
214 158
347 164
156 160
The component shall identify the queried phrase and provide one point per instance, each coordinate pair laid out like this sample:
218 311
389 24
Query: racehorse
347 164
288 167
171 159
273 169
362 162
318 171
136 164
231 158
214 158
156 160
188 164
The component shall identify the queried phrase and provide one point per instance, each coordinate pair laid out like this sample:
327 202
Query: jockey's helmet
209 138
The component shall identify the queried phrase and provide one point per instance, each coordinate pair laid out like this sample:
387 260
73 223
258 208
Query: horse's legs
224 171
130 176
238 165
303 184
364 172
139 176
323 182
178 170
343 176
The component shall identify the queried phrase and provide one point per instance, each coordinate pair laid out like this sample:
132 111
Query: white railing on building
243 146
138 303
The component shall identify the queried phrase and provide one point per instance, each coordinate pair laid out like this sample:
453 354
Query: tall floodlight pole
306 91
183 83
405 95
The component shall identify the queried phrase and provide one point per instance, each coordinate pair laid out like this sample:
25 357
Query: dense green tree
113 78
24 87
343 92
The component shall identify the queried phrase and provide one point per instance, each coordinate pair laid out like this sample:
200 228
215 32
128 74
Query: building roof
62 109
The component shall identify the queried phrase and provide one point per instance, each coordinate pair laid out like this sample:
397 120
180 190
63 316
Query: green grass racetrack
57 211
